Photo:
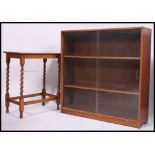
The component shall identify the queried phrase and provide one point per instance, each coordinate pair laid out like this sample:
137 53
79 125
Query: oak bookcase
105 74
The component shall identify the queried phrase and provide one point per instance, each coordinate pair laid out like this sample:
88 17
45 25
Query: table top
28 55
41 53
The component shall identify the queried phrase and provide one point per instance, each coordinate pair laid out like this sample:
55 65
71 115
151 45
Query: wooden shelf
101 57
79 87
130 91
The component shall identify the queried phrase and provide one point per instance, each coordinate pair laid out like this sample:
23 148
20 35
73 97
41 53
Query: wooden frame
139 41
45 96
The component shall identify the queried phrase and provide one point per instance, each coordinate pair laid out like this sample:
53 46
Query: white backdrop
45 38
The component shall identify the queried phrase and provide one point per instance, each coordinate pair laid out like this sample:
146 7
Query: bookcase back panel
124 43
80 72
80 99
119 105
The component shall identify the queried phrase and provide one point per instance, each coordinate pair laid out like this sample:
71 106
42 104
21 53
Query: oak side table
45 96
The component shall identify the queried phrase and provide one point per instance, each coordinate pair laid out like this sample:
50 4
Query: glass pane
80 99
80 43
120 105
80 72
116 43
119 75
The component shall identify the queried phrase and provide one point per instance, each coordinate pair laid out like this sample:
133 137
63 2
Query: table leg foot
57 106
58 103
7 104
7 110
21 115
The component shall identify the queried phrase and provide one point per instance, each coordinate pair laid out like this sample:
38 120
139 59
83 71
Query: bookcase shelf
105 74
101 57
129 90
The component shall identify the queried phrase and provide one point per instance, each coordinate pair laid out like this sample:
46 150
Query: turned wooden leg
44 81
7 104
21 106
58 93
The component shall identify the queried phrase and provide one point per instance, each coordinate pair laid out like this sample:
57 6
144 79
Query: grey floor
37 117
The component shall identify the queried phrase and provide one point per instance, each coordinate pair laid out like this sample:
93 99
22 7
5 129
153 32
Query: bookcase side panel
62 73
145 75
